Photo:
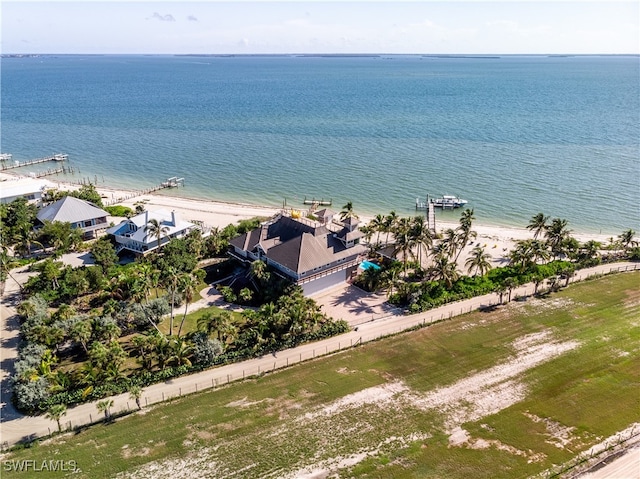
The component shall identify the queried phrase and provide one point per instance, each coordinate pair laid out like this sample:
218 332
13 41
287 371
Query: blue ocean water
514 135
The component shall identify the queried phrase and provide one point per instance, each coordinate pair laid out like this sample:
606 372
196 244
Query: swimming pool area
368 264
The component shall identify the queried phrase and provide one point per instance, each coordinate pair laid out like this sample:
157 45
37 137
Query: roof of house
299 245
135 226
14 188
71 210
324 213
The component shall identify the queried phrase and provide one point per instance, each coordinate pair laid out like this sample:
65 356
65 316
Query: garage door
325 282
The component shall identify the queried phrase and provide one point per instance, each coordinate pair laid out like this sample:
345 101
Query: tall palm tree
464 231
187 284
403 241
450 242
390 223
538 224
378 225
556 234
170 280
155 228
421 236
479 260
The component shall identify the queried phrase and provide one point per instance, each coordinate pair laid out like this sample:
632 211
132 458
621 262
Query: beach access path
15 427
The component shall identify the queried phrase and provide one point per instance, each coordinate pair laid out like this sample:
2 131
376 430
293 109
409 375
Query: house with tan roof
315 255
81 214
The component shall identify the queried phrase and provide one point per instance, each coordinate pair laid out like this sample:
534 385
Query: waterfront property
315 255
137 234
29 188
80 213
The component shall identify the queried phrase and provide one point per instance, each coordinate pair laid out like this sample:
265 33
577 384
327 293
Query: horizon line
322 54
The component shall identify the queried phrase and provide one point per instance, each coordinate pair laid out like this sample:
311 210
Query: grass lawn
502 394
191 321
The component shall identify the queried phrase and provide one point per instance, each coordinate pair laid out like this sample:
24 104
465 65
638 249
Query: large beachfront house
136 235
29 188
316 255
81 214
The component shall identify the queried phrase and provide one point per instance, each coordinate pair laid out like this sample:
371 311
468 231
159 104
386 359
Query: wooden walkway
170 183
17 164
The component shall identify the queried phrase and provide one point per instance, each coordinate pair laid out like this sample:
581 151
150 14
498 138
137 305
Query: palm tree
500 289
590 249
626 239
378 225
347 212
81 333
403 240
171 281
556 234
567 273
390 223
538 224
55 412
180 352
25 238
479 260
464 230
445 270
450 243
537 281
421 236
188 288
510 284
135 392
105 407
155 228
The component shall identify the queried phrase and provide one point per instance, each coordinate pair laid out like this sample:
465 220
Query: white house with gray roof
80 213
312 254
132 235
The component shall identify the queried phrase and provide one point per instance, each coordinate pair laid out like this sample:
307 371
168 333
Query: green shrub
119 210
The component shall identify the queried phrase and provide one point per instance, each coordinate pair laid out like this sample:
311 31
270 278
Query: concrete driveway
354 305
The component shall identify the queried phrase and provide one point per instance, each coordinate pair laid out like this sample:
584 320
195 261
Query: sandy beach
497 240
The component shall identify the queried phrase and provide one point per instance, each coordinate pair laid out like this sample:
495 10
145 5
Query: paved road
15 427
626 466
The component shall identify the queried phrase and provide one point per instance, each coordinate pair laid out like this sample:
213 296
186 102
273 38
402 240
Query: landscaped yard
503 394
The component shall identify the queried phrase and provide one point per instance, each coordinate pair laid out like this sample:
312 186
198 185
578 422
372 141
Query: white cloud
163 18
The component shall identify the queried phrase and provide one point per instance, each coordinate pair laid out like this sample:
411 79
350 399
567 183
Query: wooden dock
172 182
321 202
430 208
17 164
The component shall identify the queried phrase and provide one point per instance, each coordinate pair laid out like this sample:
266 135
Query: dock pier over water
172 182
6 157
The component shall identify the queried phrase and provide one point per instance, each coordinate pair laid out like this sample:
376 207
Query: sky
260 27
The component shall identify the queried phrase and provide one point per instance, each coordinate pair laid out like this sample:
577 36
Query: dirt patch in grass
559 435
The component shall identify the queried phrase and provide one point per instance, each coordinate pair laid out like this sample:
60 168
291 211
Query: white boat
448 201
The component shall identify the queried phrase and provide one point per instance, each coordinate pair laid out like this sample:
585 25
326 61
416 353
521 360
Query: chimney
173 217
